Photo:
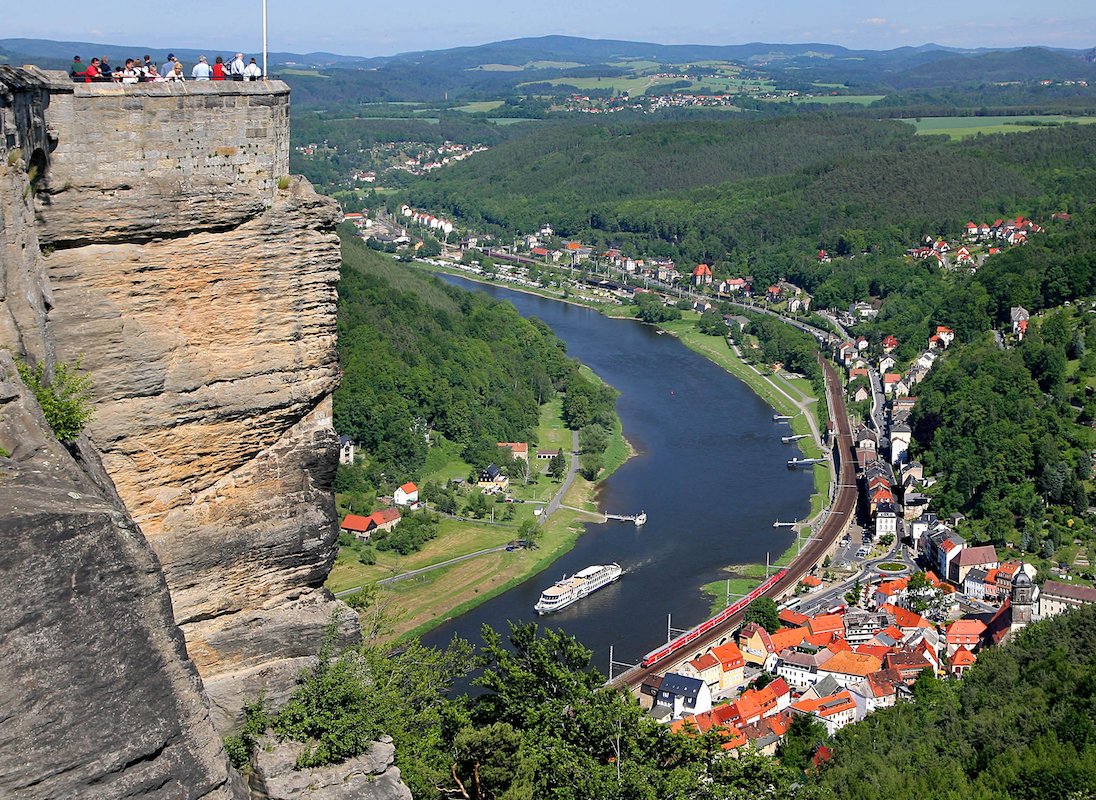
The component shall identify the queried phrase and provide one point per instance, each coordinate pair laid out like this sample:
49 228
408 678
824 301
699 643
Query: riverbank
413 606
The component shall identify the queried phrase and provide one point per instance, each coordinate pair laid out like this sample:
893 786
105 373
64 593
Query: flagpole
264 40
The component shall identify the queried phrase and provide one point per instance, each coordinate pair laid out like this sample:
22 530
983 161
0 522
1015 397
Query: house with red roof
356 525
835 711
890 343
732 665
756 645
909 663
880 689
702 275
772 294
946 334
705 667
517 449
406 495
848 667
960 661
890 380
823 256
964 633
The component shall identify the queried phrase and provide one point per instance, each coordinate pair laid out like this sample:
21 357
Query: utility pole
265 74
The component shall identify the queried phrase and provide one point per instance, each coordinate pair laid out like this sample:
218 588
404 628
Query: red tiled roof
965 627
962 658
826 623
410 488
356 523
730 657
793 618
706 661
849 663
385 515
827 706
787 637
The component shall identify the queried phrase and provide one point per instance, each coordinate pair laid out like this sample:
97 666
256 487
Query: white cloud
874 21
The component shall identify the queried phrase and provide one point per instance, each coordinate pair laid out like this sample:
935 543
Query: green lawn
961 127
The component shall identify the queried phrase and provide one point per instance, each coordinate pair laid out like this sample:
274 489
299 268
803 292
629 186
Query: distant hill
49 53
1026 64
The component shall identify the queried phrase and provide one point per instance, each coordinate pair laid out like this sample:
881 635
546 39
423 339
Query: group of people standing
144 71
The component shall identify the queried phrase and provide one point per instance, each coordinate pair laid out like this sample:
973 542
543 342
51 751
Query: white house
406 495
346 450
683 695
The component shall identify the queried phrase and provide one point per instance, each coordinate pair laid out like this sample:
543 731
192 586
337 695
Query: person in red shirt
92 73
218 69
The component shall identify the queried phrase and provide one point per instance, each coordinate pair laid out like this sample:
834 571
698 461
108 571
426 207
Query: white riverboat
570 590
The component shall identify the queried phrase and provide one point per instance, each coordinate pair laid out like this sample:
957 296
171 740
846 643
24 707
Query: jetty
796 438
638 519
779 524
781 418
804 462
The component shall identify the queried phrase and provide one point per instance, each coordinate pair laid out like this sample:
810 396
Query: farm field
961 127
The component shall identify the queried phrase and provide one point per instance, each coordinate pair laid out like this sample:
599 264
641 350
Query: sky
369 28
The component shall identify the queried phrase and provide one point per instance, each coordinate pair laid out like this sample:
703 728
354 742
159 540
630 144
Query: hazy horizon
346 28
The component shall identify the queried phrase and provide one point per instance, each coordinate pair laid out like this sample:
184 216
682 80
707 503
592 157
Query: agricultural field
831 99
479 107
962 127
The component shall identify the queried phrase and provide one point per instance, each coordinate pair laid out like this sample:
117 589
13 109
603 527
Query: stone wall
148 160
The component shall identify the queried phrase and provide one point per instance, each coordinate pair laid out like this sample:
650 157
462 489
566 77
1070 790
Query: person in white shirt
201 70
252 72
236 68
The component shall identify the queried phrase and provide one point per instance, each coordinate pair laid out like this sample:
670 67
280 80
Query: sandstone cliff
171 256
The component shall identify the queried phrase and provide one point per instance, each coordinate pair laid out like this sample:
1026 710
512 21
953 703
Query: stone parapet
152 160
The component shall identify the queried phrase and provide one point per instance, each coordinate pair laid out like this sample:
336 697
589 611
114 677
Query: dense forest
760 197
422 359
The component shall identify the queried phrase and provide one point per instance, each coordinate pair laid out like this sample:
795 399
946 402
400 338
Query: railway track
836 522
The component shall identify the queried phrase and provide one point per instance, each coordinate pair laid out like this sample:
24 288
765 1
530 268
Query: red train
692 635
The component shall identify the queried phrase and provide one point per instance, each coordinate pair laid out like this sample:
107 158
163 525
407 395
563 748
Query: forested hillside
759 197
1021 724
422 358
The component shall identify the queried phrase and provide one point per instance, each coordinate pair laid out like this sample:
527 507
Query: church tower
1022 601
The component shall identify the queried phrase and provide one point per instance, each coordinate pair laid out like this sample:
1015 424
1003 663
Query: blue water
711 474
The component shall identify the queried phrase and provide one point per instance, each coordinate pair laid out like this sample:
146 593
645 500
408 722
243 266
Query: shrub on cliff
65 399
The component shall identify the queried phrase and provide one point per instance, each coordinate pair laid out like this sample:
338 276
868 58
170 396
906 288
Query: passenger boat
570 590
641 518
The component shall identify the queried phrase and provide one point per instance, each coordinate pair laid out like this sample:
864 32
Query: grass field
634 86
553 65
479 107
498 68
831 99
308 73
961 127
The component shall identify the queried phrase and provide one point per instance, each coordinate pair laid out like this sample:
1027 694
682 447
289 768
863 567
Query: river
711 474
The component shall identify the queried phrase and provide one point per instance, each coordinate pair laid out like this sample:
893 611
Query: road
572 468
833 525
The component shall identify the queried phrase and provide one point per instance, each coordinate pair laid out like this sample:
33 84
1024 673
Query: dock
779 524
796 438
638 519
804 462
781 418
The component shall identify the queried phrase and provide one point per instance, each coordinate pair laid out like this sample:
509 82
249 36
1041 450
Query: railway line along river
710 473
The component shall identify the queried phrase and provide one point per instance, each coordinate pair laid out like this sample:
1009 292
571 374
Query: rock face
171 255
97 697
370 776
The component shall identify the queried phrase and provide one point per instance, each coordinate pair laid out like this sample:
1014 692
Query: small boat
641 518
570 590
